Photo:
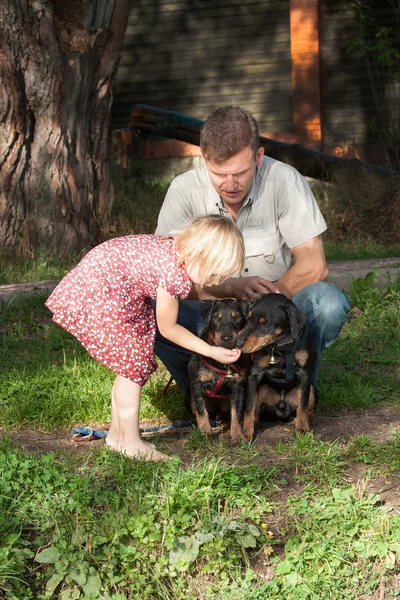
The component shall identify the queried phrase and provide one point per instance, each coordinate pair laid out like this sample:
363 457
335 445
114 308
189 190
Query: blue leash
81 434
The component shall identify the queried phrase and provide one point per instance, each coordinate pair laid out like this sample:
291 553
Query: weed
118 524
314 462
382 459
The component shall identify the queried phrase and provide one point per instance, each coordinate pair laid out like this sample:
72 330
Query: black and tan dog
274 326
212 382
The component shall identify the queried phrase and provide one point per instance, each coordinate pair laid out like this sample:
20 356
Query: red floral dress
105 300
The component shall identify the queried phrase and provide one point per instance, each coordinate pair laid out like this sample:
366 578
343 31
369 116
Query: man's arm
309 267
242 288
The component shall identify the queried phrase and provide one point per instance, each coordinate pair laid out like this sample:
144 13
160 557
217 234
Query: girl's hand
224 355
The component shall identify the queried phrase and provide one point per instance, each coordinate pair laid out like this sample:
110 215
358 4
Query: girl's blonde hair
214 243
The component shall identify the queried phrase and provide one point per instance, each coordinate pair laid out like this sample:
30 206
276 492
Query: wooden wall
284 60
349 110
193 56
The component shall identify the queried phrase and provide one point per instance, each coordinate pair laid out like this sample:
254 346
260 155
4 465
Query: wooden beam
319 165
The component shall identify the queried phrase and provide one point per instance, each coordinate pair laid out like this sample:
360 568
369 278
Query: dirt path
379 422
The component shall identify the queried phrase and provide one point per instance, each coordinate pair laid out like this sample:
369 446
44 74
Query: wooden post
304 36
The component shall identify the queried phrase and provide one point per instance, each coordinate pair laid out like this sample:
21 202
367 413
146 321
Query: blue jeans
324 305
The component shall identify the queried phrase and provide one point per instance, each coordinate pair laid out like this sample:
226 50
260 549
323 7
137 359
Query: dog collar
222 373
286 347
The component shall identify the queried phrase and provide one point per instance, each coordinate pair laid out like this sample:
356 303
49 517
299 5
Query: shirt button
246 270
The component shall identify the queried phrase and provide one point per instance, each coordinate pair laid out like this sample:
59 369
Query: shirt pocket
267 257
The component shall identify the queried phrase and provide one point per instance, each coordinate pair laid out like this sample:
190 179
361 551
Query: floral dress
105 301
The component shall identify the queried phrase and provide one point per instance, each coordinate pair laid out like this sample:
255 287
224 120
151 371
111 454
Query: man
274 208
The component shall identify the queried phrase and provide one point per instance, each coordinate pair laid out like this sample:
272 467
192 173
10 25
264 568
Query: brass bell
229 371
273 359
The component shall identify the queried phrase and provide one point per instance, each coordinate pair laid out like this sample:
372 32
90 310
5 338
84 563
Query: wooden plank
309 162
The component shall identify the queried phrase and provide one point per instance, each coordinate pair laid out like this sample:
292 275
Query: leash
86 434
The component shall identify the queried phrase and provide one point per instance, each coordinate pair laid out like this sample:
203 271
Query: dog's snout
227 338
239 342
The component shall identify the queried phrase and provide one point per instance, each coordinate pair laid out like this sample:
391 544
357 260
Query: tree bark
58 60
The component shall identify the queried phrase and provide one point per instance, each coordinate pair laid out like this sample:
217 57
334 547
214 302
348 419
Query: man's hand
241 288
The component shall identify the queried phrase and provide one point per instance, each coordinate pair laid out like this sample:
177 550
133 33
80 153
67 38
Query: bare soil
379 422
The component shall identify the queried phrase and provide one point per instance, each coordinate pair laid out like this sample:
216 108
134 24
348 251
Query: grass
228 522
354 249
112 528
221 523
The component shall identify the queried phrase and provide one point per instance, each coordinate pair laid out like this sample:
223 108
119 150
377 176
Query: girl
105 302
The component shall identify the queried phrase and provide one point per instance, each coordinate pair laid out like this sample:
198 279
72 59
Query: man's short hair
227 131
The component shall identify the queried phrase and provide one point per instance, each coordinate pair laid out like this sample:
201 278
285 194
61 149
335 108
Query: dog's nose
239 343
226 338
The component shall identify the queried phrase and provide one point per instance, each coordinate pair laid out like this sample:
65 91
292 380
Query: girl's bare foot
141 449
112 443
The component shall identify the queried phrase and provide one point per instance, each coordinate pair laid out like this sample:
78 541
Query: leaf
246 540
203 537
99 540
93 585
342 495
292 578
11 538
235 526
48 556
395 547
390 560
70 594
284 567
54 582
253 530
79 573
184 553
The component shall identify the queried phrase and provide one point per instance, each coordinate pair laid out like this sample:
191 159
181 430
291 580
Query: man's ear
259 156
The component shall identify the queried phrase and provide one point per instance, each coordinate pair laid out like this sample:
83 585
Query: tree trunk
58 61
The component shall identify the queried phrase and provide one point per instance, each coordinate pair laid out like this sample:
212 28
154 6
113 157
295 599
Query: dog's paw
237 434
237 437
313 418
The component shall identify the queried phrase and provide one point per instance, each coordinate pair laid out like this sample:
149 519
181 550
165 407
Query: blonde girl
105 302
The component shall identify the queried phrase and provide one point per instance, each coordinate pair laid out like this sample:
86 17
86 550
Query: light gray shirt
279 213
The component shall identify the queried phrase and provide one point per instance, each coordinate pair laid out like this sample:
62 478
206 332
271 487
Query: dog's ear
297 320
245 306
206 310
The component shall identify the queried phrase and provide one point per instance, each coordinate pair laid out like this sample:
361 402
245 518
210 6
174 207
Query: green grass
127 528
381 460
229 523
354 249
113 528
21 268
362 367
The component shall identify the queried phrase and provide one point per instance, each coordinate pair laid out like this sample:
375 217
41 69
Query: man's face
233 178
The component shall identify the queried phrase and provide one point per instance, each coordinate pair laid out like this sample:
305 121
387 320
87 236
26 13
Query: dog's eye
249 315
262 320
234 315
219 315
